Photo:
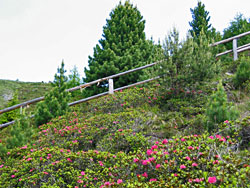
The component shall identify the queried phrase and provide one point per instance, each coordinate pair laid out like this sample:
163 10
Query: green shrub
11 115
219 109
123 140
242 73
21 133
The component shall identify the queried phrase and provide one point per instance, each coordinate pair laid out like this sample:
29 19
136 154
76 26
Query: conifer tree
74 80
56 101
200 21
123 47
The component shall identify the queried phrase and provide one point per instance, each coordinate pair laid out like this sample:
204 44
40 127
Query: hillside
26 90
134 138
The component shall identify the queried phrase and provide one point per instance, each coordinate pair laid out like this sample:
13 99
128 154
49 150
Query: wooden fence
235 51
111 91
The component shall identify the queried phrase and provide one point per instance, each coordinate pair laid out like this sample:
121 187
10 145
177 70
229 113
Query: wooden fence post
111 86
235 49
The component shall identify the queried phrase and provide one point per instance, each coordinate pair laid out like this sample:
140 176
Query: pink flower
136 160
1 166
175 174
149 151
145 174
119 181
82 173
226 121
100 163
13 176
216 162
151 159
107 183
145 162
29 159
218 136
182 166
212 179
20 179
41 158
194 164
79 181
24 147
165 141
188 158
45 172
211 137
183 139
190 147
157 166
154 147
68 159
153 179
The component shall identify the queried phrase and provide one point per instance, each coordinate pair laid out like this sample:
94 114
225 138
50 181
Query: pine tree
123 47
74 80
200 21
56 101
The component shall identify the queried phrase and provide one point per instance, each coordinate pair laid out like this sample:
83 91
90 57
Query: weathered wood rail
24 104
111 91
235 49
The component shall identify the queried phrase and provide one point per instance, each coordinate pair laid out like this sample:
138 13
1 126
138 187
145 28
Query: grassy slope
124 128
26 90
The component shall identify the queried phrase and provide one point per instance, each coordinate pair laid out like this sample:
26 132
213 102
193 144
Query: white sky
35 35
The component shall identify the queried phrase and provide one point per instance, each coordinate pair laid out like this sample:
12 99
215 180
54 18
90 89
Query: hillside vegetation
190 128
134 138
26 91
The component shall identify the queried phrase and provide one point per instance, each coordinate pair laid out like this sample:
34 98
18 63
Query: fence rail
235 49
111 91
76 88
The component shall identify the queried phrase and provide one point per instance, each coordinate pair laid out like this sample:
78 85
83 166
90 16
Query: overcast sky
35 35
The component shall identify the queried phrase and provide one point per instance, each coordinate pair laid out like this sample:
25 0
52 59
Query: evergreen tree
123 47
200 21
56 101
74 80
187 63
237 26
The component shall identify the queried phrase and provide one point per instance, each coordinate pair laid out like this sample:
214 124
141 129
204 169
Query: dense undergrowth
138 137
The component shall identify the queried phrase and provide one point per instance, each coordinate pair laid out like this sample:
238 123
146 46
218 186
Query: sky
36 35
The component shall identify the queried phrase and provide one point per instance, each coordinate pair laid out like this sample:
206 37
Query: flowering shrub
129 146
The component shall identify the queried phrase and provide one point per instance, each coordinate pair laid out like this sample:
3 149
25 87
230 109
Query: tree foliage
123 47
73 81
200 21
56 101
187 63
